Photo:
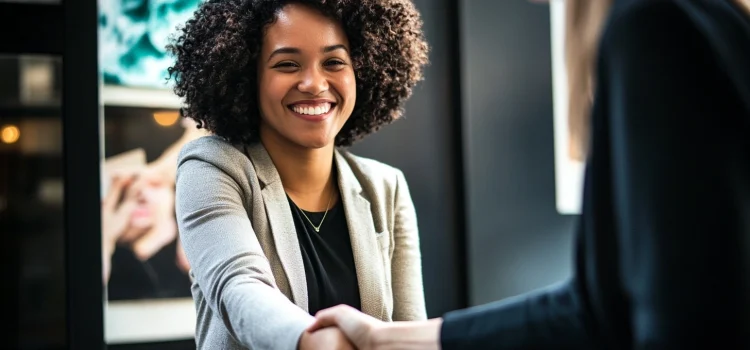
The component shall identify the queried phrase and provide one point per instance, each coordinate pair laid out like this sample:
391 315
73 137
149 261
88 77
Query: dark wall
425 145
516 240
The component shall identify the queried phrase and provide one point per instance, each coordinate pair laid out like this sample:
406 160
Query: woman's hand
368 333
330 338
181 258
115 217
358 327
157 195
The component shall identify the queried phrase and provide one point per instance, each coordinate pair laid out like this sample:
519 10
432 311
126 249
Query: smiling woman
309 85
276 222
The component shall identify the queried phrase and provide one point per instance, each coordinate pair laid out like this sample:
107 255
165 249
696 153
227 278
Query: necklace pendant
316 229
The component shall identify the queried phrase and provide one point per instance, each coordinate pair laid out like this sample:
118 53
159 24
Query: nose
313 82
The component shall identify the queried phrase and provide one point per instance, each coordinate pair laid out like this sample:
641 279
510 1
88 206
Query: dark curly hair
217 50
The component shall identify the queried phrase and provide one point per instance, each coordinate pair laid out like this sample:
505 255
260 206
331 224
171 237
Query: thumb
323 319
114 225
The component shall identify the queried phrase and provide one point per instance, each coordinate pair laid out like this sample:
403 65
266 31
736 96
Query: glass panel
31 198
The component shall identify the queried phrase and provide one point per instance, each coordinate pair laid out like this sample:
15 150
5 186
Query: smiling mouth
141 213
312 111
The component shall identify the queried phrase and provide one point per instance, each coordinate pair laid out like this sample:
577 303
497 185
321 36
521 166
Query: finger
182 260
332 316
137 185
115 225
113 194
326 318
115 191
120 222
323 320
153 175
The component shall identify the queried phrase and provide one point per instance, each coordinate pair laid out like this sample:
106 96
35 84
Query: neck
306 173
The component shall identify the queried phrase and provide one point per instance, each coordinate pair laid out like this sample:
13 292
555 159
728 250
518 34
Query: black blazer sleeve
546 319
662 251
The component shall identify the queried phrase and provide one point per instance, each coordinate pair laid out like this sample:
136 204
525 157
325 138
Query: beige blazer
237 230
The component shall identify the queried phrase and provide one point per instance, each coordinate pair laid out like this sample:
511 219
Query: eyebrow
294 50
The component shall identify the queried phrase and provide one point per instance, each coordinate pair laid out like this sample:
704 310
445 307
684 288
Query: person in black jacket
663 240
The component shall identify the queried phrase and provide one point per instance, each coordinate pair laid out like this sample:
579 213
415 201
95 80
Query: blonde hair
745 5
584 20
583 25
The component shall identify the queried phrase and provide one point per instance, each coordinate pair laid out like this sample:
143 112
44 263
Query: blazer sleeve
226 258
549 318
406 266
676 134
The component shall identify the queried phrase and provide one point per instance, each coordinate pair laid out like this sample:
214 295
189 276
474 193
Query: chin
141 223
314 142
317 145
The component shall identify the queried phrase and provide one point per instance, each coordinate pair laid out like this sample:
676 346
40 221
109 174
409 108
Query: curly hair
217 50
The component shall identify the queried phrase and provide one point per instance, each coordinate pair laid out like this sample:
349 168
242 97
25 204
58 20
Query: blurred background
482 145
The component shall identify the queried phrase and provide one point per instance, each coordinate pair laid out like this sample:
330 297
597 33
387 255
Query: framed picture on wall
145 273
133 36
569 168
145 268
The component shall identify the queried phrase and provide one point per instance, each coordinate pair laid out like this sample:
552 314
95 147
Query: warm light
166 118
10 134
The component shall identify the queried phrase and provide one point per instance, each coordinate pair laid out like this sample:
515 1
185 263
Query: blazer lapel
282 224
367 256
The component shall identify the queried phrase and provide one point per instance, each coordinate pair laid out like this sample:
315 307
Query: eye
335 63
287 65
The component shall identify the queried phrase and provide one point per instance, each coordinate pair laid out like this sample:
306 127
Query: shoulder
215 151
370 171
645 40
636 24
368 165
656 23
212 162
702 10
657 41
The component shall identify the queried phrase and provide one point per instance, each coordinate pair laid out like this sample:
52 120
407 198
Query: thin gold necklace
317 228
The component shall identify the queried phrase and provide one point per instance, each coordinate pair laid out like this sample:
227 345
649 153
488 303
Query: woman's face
153 212
306 83
152 199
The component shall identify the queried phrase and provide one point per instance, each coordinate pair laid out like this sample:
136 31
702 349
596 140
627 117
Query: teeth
318 109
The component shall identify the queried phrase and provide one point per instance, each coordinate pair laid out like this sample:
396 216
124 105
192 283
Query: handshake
343 327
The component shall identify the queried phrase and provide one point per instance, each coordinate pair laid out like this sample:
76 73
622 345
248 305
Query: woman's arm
227 260
406 265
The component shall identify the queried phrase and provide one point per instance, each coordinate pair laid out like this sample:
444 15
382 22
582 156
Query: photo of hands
137 226
144 265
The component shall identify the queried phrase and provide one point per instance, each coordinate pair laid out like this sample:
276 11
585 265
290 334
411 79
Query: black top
328 258
157 277
662 245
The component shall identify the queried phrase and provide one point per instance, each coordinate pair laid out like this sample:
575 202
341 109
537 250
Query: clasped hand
341 327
